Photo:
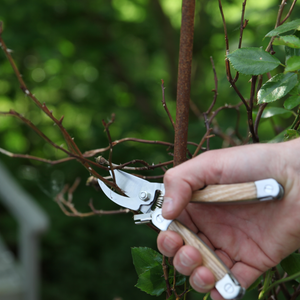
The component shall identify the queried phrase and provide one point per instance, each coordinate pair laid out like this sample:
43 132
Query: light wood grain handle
226 193
210 259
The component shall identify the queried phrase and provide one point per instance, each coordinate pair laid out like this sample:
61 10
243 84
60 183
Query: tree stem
184 80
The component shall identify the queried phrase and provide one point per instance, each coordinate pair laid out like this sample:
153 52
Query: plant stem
184 80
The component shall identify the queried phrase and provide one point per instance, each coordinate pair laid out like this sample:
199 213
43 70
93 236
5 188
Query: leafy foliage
149 267
253 61
293 25
277 87
288 40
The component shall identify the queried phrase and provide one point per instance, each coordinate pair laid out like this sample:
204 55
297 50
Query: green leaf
253 61
278 138
292 102
287 40
152 281
293 64
291 264
276 87
293 25
145 258
289 52
274 111
291 134
295 91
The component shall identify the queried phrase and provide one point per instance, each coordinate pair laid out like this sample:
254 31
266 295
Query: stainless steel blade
128 183
131 203
141 192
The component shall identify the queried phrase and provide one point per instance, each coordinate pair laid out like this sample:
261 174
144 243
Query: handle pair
226 284
261 190
268 189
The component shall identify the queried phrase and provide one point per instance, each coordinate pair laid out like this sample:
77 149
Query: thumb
231 165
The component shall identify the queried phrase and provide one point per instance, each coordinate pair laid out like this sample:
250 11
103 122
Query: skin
249 238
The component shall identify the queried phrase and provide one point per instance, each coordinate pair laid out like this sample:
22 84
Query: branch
73 148
101 160
278 22
215 90
165 104
205 137
243 24
289 12
166 277
106 125
69 209
184 80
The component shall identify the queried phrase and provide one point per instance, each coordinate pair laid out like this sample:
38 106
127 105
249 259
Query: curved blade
133 203
140 192
131 185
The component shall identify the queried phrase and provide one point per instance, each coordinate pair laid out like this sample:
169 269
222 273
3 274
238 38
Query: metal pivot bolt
159 218
268 189
228 288
144 196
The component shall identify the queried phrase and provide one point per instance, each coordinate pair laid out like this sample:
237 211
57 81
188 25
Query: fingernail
201 284
170 244
185 259
167 206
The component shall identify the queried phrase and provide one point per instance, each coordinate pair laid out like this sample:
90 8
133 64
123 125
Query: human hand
249 238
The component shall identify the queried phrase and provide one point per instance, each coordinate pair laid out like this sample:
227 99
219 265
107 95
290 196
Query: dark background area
87 60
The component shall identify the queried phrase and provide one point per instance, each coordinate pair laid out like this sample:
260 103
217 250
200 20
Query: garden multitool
147 198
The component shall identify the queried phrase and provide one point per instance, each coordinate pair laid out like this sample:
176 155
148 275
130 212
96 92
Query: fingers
232 165
169 243
188 261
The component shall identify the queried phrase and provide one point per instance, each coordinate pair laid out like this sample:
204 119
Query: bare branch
165 104
243 24
69 209
215 90
106 126
205 137
289 12
103 161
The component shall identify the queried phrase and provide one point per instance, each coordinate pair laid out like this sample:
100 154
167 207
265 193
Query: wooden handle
226 193
210 259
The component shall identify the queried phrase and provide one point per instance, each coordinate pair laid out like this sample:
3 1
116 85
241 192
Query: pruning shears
147 198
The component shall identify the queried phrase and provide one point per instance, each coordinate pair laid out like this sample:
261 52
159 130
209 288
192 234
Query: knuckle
170 176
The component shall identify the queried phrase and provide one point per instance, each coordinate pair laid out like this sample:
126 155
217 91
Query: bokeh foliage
87 60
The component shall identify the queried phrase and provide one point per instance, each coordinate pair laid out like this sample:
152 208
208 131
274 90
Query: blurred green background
87 60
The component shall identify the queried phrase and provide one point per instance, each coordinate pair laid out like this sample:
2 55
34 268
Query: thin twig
73 148
289 12
243 24
69 209
107 212
165 104
204 138
215 90
101 160
278 22
166 277
106 126
282 286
